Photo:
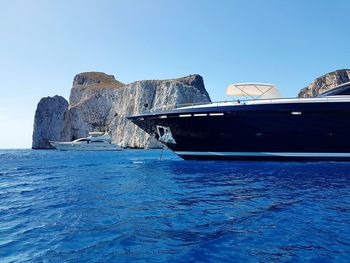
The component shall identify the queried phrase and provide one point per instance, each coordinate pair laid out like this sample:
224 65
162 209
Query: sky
45 43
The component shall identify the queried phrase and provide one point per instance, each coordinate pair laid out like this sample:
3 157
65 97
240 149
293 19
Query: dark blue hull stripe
264 154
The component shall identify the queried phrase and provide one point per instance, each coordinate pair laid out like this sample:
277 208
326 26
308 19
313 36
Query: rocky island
98 102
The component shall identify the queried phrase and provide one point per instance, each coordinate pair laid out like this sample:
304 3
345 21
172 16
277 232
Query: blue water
131 207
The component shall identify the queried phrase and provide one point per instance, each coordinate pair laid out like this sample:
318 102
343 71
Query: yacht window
82 140
165 135
344 90
161 131
216 114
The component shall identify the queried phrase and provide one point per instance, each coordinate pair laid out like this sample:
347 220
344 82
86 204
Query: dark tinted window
344 90
83 140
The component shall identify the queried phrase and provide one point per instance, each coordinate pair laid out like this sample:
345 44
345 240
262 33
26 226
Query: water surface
131 206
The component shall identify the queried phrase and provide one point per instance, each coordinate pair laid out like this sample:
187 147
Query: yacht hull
84 147
291 131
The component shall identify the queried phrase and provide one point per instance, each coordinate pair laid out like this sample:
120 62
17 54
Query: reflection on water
128 205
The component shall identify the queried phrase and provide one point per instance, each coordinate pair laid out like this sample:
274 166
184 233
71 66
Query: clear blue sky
45 43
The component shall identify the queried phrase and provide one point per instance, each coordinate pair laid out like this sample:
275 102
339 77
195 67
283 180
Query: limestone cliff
98 102
50 122
90 102
325 82
150 95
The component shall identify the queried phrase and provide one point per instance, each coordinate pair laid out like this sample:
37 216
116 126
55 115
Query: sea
151 206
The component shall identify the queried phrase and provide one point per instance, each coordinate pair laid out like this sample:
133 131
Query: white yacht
96 141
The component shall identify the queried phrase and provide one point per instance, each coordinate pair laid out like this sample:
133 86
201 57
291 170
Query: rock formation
325 82
50 122
98 102
143 96
90 102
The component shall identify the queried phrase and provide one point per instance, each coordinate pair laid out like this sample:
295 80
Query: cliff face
325 82
90 102
98 102
50 122
143 96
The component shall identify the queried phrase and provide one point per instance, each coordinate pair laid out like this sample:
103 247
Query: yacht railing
243 102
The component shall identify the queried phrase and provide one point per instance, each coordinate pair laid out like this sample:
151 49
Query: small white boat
96 141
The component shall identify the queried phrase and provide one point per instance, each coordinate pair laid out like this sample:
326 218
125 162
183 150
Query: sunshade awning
260 90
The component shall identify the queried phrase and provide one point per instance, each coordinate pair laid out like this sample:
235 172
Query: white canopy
260 90
93 134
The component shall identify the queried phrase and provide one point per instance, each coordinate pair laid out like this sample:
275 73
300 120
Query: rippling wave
130 206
